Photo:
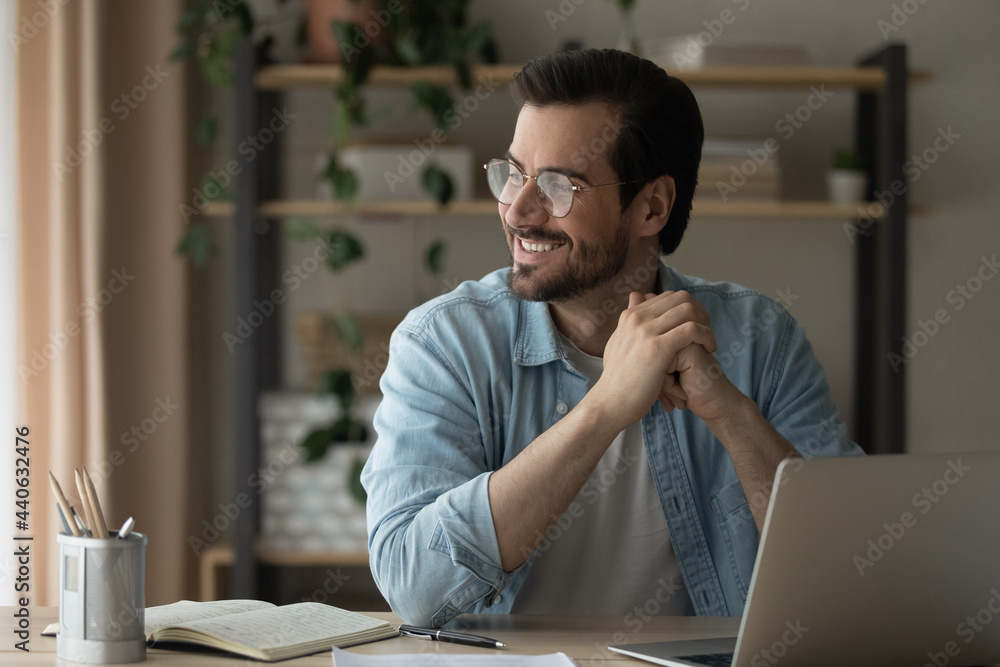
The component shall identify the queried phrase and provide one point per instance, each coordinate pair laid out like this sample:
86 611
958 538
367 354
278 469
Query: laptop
879 560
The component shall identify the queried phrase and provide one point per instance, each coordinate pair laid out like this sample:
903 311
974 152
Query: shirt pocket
739 531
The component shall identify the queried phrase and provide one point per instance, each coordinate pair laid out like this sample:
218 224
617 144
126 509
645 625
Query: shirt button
562 408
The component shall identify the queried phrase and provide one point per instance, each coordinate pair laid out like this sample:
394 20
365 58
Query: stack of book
739 169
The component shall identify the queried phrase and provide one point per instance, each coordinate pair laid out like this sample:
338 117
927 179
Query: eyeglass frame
574 188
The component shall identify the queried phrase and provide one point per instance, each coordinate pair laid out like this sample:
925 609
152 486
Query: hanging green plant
423 33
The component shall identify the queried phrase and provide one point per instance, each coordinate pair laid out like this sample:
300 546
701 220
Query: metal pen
450 636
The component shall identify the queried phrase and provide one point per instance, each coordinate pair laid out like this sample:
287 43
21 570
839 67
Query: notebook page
185 611
284 626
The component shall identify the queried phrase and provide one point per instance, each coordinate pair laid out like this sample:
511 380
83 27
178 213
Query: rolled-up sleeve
798 401
433 547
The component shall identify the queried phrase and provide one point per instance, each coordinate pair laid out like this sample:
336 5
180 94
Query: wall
952 379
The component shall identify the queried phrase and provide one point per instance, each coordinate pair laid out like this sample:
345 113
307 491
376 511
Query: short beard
588 268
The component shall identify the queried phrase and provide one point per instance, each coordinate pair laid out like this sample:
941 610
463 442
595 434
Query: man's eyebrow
566 171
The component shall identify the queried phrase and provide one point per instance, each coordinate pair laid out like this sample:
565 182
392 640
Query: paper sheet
347 659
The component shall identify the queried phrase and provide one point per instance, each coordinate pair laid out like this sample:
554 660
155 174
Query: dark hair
660 128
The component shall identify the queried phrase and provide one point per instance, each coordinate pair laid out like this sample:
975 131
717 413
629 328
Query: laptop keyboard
710 659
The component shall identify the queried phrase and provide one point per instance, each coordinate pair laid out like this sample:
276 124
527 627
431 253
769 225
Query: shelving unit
881 82
819 210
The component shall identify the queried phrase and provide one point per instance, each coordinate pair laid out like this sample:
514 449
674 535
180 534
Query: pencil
63 503
102 526
88 511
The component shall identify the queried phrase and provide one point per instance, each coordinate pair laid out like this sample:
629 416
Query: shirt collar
537 339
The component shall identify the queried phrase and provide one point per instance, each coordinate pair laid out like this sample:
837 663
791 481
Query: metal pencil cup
102 599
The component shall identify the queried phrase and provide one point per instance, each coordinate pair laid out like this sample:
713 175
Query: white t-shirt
610 553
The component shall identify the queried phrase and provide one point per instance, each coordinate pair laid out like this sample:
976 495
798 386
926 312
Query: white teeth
538 247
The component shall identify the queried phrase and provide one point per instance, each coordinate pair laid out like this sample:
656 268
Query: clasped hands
662 349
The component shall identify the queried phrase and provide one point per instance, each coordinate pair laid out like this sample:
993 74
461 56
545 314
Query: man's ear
657 198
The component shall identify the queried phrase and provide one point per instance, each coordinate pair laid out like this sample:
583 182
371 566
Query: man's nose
526 210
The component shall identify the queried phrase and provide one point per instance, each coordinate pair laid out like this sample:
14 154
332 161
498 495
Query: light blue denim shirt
476 375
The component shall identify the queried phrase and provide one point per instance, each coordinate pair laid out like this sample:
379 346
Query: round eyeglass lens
555 191
505 182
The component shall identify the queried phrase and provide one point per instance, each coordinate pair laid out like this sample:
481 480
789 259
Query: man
558 437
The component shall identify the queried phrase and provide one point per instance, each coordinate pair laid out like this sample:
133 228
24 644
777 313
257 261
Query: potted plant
418 33
846 181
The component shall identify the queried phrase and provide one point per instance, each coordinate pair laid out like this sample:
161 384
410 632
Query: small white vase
845 186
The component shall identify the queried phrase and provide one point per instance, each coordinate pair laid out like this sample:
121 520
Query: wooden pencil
101 524
64 504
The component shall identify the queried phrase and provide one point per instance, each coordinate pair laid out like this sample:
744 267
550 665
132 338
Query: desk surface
583 638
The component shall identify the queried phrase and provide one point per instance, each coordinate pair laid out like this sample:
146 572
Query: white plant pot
308 506
845 186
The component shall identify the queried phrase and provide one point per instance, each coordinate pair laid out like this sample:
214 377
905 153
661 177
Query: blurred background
124 131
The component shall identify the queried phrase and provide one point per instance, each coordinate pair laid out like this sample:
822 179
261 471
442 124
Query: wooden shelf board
221 555
280 77
488 207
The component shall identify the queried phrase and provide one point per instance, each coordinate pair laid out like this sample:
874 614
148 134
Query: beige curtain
102 359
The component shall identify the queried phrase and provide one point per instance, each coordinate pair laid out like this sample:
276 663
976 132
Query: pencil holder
102 599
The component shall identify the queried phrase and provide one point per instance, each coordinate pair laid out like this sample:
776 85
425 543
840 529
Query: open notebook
258 629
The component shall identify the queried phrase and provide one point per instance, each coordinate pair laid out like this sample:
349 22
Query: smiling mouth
528 246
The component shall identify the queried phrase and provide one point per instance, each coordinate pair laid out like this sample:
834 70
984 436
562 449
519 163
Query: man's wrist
740 420
600 414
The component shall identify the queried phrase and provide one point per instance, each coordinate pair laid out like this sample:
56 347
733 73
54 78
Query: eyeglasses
555 191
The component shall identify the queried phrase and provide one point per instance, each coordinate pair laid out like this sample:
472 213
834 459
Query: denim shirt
476 375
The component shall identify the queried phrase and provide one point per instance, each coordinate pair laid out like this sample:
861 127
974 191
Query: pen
449 636
126 529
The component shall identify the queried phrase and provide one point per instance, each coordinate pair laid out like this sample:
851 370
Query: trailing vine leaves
208 32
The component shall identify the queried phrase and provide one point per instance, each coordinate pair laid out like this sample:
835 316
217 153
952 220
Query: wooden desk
583 638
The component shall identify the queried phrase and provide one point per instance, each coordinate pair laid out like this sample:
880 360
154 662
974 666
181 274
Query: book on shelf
260 630
739 168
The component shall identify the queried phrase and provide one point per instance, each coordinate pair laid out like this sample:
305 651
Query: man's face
557 259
